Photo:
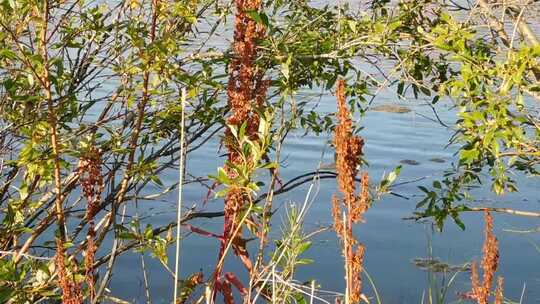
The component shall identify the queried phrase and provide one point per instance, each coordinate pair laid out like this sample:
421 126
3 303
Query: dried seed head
475 282
89 169
357 263
348 152
361 204
246 91
490 261
246 88
336 214
71 290
352 205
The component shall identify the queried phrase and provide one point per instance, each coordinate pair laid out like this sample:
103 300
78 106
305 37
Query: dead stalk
180 187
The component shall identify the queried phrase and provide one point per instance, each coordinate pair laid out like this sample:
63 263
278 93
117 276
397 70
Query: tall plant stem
46 84
52 117
348 279
180 187
52 122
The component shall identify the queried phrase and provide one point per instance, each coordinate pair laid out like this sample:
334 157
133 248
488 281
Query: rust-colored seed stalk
71 290
349 209
246 88
490 261
246 91
89 169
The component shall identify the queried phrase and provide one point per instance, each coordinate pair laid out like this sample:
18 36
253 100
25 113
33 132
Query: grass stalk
180 188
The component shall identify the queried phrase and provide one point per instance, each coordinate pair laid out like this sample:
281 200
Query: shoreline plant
349 209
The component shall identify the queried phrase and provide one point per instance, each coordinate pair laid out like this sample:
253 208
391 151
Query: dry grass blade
180 188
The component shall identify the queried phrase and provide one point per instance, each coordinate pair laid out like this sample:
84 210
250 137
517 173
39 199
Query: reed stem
180 187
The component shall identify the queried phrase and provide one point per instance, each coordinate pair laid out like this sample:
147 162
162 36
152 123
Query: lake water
391 242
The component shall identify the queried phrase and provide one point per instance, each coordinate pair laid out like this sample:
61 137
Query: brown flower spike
89 169
490 261
71 290
349 209
246 91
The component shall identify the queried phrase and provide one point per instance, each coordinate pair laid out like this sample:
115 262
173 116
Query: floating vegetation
437 160
411 162
328 166
436 265
391 108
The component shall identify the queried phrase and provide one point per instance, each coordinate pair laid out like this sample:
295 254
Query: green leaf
303 247
30 78
468 156
394 174
424 189
271 165
259 17
304 261
6 53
